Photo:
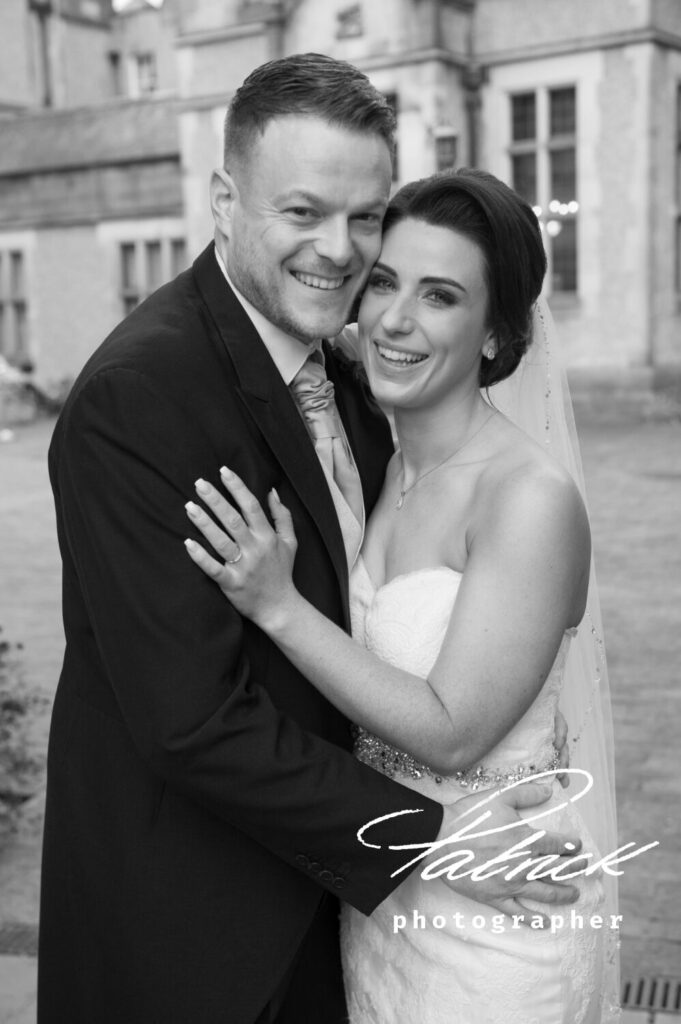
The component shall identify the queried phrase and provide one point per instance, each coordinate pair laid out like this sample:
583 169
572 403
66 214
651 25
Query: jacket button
315 867
326 875
338 882
302 860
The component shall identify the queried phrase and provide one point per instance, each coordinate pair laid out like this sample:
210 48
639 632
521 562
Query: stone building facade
577 103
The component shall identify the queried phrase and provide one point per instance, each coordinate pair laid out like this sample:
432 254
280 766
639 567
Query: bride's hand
256 574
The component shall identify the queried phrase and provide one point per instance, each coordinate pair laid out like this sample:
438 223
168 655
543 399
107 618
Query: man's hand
498 892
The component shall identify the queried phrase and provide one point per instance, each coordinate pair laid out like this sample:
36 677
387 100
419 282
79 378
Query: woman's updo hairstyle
505 228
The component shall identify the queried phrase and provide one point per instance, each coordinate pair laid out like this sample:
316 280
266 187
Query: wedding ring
233 561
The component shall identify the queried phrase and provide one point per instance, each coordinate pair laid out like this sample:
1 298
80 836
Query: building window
446 150
13 308
115 72
543 157
145 74
349 22
146 265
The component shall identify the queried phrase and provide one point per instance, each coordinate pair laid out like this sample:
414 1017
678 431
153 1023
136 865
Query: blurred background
110 123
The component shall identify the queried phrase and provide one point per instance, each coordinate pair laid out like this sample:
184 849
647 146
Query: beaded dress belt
391 762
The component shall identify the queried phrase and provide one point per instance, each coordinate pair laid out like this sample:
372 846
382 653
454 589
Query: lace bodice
404 622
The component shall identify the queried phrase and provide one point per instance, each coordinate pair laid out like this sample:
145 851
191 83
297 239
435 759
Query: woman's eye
380 283
440 297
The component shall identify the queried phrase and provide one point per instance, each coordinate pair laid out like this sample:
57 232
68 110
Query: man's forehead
304 153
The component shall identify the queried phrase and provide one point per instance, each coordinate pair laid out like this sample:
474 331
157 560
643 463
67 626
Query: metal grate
656 995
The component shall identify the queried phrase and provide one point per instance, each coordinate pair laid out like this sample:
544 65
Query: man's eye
301 212
371 219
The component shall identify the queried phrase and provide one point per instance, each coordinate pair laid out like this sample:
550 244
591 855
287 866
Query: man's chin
321 327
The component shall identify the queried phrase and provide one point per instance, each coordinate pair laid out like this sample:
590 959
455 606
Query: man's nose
334 242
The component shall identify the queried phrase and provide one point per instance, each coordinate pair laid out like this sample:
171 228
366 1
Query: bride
466 600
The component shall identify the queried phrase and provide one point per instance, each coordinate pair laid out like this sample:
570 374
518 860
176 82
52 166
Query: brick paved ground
633 471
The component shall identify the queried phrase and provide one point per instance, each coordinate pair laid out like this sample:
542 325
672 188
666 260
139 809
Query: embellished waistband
390 761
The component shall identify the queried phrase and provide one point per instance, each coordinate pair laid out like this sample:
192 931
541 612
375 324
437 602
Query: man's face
302 225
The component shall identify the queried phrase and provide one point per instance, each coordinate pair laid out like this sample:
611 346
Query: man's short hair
309 84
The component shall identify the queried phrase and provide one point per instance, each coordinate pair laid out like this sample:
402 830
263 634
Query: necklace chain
400 501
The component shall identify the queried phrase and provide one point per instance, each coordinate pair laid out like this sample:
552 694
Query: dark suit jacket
201 795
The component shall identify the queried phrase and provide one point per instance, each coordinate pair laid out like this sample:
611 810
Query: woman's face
423 316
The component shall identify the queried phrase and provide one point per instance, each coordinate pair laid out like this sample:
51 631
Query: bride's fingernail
276 495
201 486
190 545
192 509
225 472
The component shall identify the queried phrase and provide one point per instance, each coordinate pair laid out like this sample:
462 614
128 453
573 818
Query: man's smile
327 284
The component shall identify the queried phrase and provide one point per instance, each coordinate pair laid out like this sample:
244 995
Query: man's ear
223 193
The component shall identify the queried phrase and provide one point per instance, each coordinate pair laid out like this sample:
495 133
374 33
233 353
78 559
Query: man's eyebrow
296 194
378 202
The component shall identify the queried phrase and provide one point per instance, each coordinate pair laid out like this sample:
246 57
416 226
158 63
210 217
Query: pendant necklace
400 501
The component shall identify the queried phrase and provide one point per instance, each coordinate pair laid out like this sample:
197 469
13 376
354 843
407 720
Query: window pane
16 275
677 254
524 176
146 72
562 115
564 249
154 279
129 303
563 175
128 267
524 117
20 332
3 330
178 259
445 151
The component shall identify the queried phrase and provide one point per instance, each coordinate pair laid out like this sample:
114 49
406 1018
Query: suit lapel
270 405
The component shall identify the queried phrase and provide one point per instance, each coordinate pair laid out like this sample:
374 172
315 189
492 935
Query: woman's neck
428 436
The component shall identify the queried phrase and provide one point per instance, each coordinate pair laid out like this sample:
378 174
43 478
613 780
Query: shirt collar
287 352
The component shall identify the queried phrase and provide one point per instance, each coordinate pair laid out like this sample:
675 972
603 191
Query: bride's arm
524 584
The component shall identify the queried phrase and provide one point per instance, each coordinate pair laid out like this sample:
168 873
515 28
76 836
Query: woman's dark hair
309 84
504 226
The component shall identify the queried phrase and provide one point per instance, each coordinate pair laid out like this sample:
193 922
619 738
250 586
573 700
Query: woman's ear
490 346
223 194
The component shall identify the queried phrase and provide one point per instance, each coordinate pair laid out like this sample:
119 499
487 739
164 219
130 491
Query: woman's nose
396 318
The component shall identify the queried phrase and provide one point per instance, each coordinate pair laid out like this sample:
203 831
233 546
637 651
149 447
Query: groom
203 803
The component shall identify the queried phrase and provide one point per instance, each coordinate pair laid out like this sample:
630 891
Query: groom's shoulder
169 340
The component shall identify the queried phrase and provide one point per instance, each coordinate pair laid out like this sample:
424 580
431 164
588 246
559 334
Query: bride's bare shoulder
525 484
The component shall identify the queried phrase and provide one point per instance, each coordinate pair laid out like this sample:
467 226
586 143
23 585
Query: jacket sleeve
173 650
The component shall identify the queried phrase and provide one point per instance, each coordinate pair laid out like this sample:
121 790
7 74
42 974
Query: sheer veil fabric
536 398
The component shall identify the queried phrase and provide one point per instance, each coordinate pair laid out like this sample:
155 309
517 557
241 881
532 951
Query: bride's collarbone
429 535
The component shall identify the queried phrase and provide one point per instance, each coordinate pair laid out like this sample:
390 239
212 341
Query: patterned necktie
314 395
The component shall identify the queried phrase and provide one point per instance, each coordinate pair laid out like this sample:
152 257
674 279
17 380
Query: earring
490 353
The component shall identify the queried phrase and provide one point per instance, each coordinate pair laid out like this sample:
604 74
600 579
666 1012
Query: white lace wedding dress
465 969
